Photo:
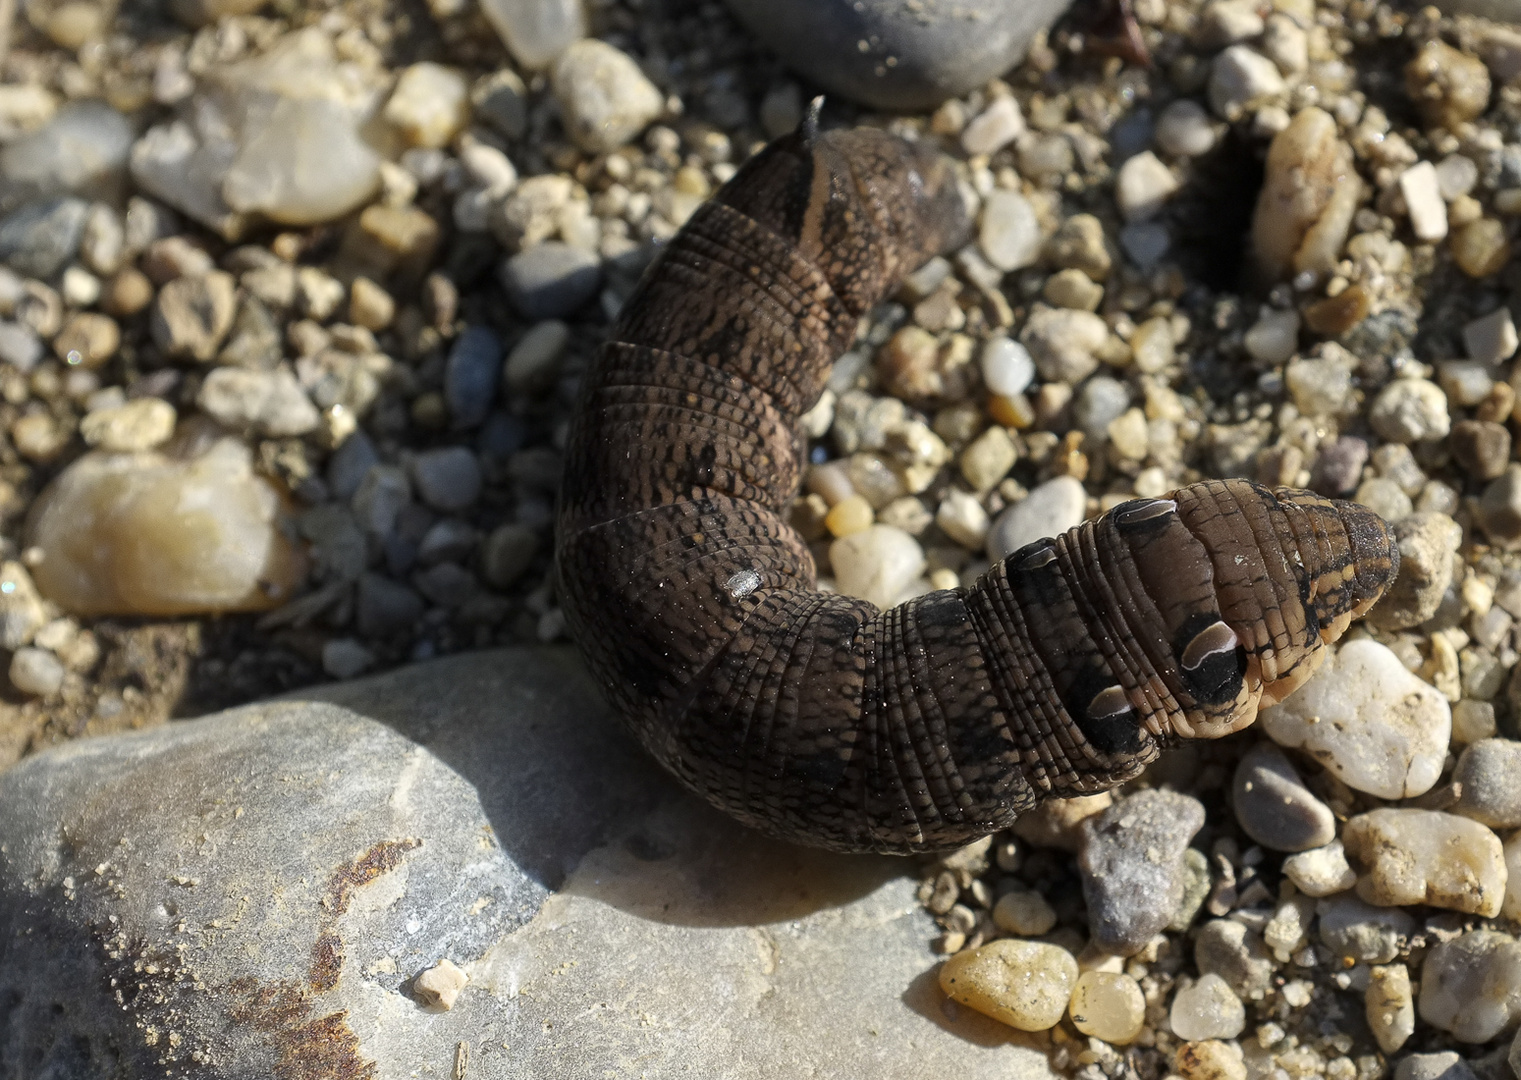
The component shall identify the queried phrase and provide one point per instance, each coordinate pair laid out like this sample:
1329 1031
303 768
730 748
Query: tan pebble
38 436
88 339
1406 856
128 292
1480 248
1015 412
137 425
440 985
1447 85
909 364
1025 984
370 306
1390 1006
1335 315
849 516
1025 913
1209 1059
1308 197
1108 1006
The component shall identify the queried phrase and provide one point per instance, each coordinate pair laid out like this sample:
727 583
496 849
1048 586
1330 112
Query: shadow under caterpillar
818 718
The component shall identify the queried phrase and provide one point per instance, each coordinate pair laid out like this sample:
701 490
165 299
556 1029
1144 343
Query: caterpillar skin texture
819 718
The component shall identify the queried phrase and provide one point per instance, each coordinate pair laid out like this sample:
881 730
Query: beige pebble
1108 1006
1406 856
440 985
1308 197
1025 913
137 425
1390 1006
1471 985
850 515
1209 1059
1025 984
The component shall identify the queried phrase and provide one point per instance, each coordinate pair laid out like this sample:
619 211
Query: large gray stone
253 893
937 50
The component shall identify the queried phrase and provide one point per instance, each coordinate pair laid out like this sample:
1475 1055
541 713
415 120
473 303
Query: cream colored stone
1308 197
1025 984
1408 856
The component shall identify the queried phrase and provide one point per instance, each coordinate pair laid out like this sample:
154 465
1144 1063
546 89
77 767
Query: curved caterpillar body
819 718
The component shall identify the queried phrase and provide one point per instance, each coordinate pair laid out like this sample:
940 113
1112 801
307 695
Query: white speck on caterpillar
743 584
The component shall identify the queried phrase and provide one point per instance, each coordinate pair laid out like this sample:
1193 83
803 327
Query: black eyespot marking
1212 660
1103 712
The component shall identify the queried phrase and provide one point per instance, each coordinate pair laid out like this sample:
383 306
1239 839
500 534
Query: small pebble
1133 869
1385 498
1491 338
1321 871
1444 1065
1210 1059
1052 508
370 306
268 402
1073 289
1372 723
1142 187
36 672
1098 403
995 127
605 99
1511 909
1499 509
1239 77
1235 953
20 347
533 365
962 518
447 479
1410 411
550 280
1389 1002
1025 913
1207 1009
1408 856
440 986
1109 1006
1427 542
1359 932
1423 201
988 458
137 425
1274 807
1063 343
1274 338
1185 130
471 374
1079 244
429 105
345 658
850 515
1025 984
1009 233
1481 247
1471 985
1007 368
1489 773
878 564
1481 447
1446 85
193 314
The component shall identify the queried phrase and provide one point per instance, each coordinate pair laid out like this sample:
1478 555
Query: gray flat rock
253 894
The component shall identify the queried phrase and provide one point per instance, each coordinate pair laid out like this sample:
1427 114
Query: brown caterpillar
819 718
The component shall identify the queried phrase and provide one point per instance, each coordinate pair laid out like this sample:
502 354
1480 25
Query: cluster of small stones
343 316
1337 892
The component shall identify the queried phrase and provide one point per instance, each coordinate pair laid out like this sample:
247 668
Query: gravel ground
294 304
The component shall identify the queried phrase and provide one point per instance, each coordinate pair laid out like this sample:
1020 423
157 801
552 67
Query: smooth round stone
21 348
1471 985
937 51
1384 497
1025 913
1099 403
879 564
536 31
447 479
1320 871
1062 342
1142 187
1207 1009
1427 542
605 99
382 607
1389 1004
1108 1005
471 374
347 466
995 127
1274 807
1184 129
1490 774
1444 1065
550 280
1410 411
962 518
1007 368
1052 508
268 402
36 672
1359 932
1132 866
1009 233
534 363
142 534
1480 447
1369 720
345 658
1426 857
1025 984
508 553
